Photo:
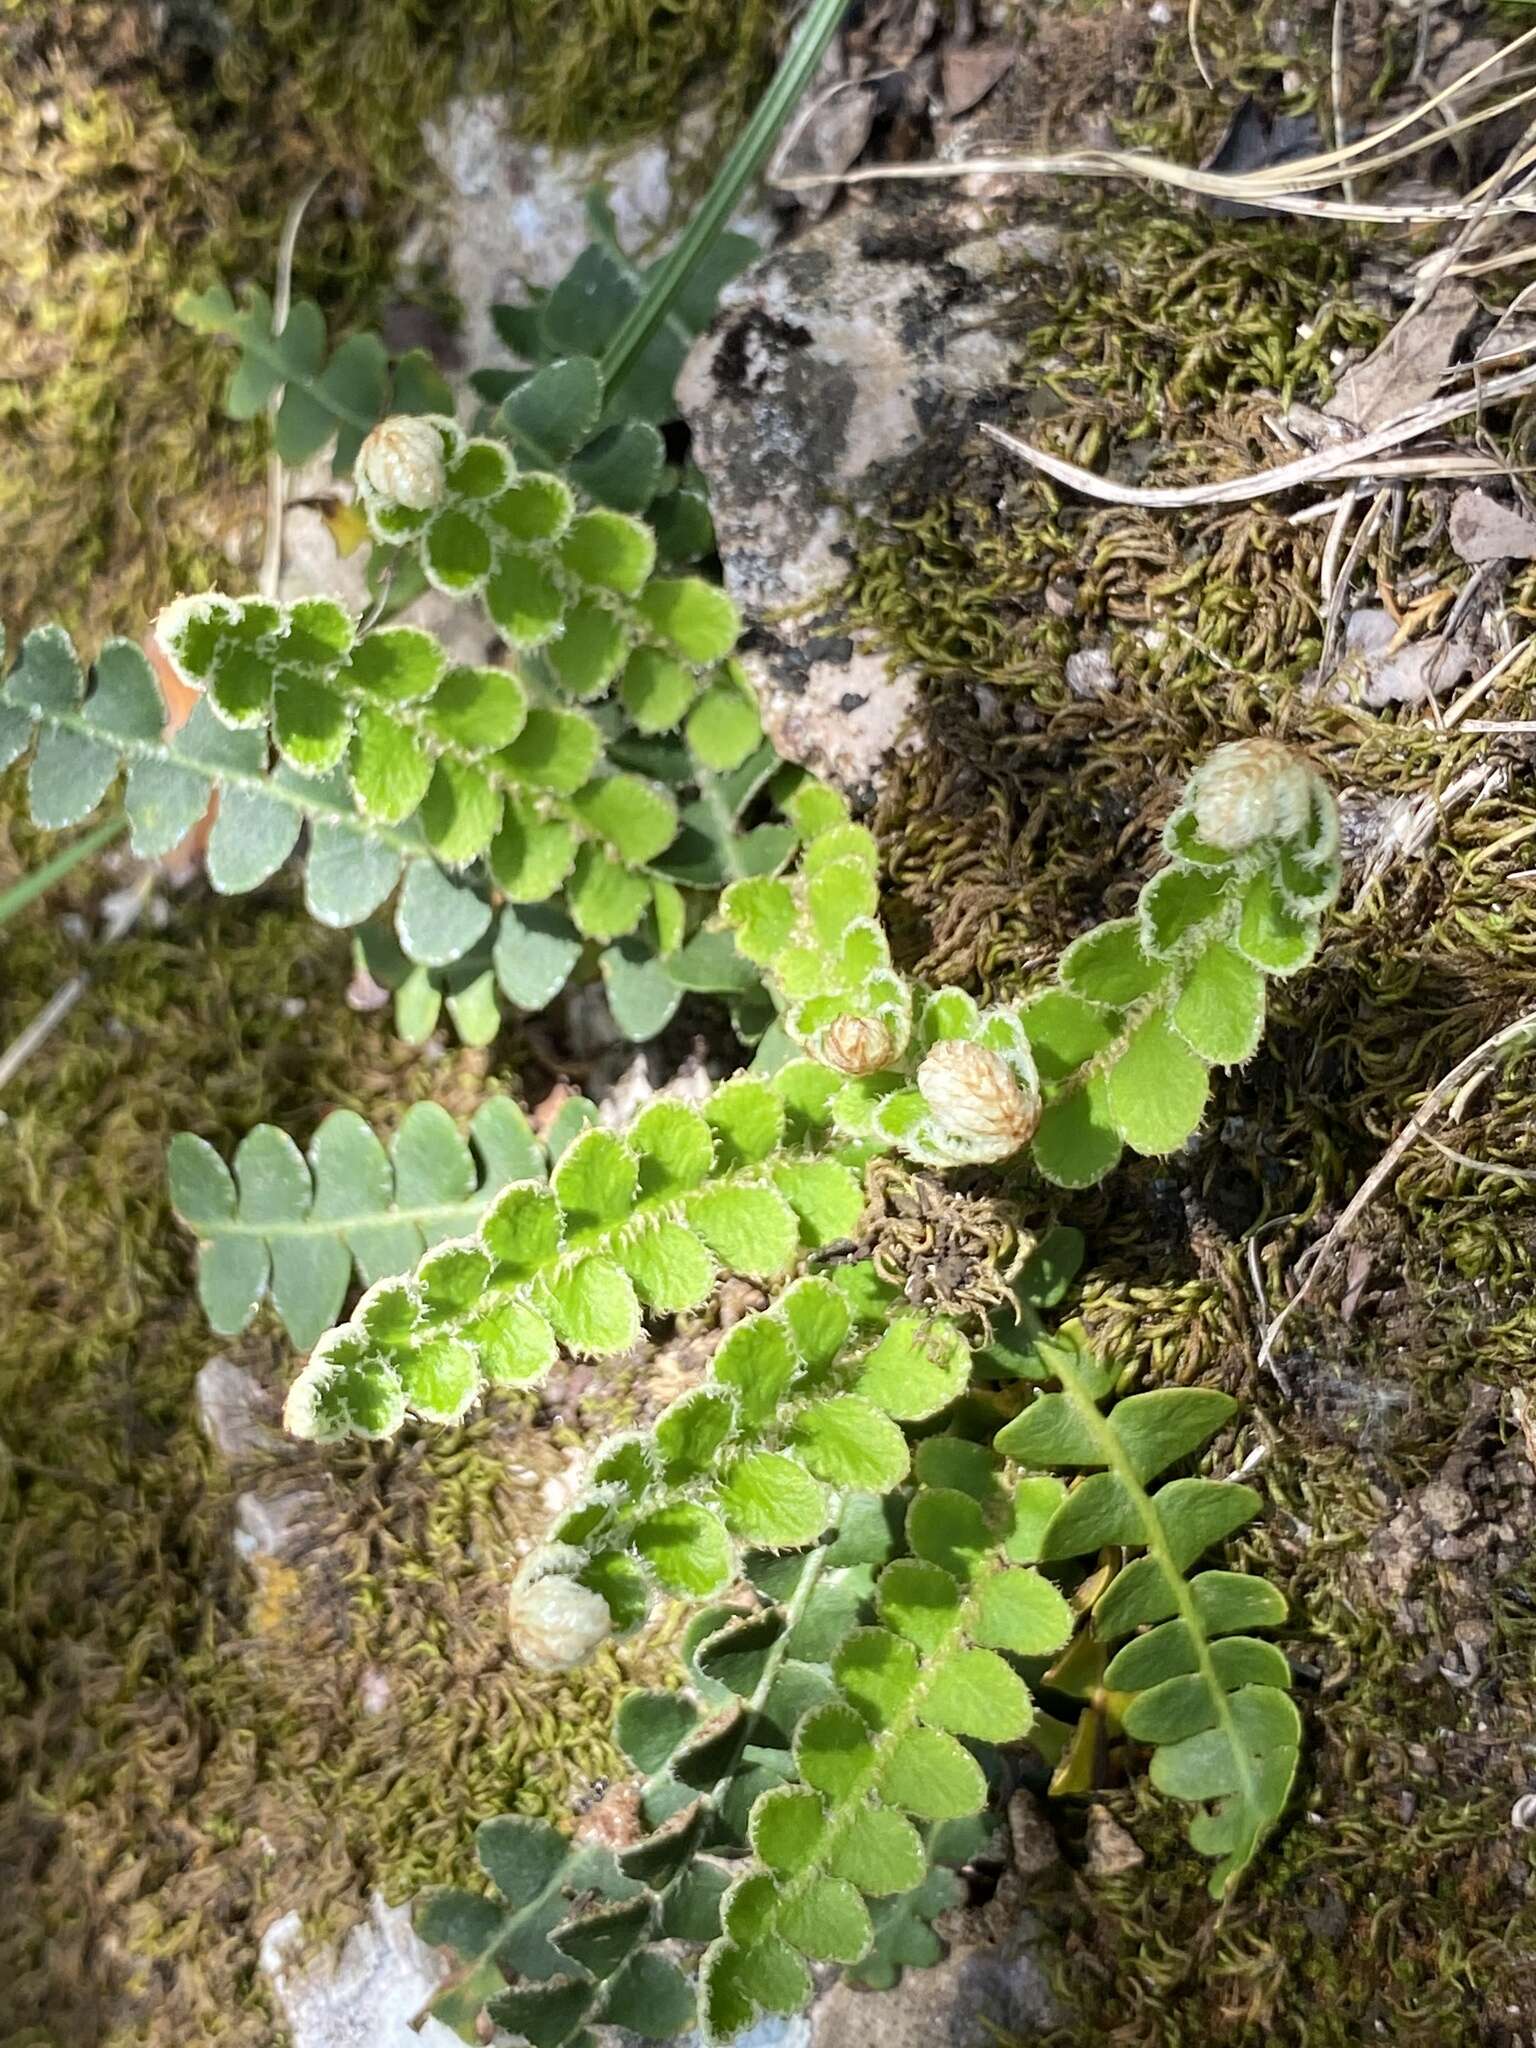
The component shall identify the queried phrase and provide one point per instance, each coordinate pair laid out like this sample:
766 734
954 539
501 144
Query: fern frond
649 1217
585 310
801 1410
575 582
444 782
902 1931
1147 1005
1120 1050
532 950
884 1754
1210 1699
538 1872
85 737
579 1928
293 1229
459 752
319 392
802 1803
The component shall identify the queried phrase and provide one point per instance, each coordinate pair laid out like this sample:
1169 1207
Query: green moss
1161 314
1396 1901
196 1744
145 155
613 69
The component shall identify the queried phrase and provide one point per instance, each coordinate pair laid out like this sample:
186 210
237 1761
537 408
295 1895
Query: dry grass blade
1125 163
1192 30
1336 84
1458 1082
272 542
1475 691
1418 822
1284 188
1494 1167
1347 459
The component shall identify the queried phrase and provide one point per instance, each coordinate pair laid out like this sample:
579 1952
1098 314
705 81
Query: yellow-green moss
192 1745
145 154
1396 1901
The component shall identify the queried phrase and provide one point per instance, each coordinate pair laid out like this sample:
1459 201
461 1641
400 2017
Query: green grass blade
20 894
746 159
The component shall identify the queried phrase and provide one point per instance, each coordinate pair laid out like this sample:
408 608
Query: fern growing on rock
485 834
920 1525
848 1729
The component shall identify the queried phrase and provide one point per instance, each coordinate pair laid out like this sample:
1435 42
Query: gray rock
832 362
1112 1849
516 213
1091 673
273 1524
1484 530
774 2032
980 1992
238 1416
1372 674
996 1991
365 1996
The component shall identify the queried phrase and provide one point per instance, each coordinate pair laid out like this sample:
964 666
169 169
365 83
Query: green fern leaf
580 1930
572 583
791 1421
294 1230
1147 1005
1211 1700
566 1263
881 1757
320 395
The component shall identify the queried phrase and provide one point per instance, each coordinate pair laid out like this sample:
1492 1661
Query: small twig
1420 44
1336 87
1338 596
120 919
1283 188
1440 266
1489 1166
1333 546
1475 692
1192 28
380 604
1422 820
1325 508
1476 1064
1467 596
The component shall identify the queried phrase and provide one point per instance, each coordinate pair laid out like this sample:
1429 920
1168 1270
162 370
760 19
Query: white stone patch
365 1997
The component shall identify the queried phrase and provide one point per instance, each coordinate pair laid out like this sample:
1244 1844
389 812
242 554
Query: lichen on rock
832 363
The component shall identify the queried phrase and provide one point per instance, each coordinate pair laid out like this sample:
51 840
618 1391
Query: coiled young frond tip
1250 790
401 462
978 1099
556 1623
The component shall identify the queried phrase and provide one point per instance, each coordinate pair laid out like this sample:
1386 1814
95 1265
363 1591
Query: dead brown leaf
1484 530
968 75
1410 365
